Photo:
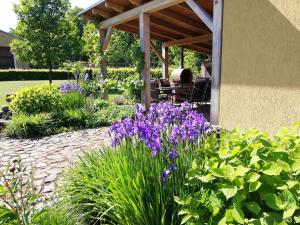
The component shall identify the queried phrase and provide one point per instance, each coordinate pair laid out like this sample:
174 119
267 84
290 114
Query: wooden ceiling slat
189 40
182 21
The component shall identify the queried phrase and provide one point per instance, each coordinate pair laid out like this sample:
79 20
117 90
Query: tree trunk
50 72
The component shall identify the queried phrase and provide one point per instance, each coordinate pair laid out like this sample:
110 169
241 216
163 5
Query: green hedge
35 74
123 73
32 74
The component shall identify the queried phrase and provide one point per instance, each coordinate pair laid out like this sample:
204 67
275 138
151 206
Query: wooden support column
216 61
105 35
182 57
144 22
165 62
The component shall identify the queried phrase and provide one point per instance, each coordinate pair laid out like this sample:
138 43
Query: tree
46 34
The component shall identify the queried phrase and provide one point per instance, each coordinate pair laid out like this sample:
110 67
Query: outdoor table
173 92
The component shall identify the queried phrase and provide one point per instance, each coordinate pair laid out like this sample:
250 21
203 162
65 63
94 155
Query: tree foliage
47 33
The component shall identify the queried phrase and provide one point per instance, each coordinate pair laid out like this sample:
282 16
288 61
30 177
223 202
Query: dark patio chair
154 90
165 94
201 93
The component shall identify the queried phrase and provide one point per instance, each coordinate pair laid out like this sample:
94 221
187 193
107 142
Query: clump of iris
68 87
162 130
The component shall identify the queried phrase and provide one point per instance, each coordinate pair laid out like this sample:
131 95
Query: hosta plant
245 179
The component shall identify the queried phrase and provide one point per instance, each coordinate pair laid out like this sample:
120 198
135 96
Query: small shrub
101 104
245 179
23 126
76 118
73 100
92 88
39 99
133 88
112 114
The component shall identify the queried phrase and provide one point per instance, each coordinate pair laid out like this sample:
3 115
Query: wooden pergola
191 24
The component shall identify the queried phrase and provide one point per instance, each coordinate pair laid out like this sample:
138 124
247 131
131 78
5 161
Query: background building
7 58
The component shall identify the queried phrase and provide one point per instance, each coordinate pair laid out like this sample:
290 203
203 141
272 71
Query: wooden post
216 61
165 62
182 57
144 22
103 61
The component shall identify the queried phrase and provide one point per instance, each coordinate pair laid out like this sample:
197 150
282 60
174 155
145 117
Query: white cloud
8 18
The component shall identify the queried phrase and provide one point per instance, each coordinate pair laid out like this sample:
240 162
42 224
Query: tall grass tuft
124 186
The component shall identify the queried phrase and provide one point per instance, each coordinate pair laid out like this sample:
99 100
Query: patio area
189 24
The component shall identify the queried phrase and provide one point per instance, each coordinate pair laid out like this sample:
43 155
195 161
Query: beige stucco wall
5 39
260 81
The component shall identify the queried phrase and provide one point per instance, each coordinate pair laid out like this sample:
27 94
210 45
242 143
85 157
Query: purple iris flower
68 87
163 127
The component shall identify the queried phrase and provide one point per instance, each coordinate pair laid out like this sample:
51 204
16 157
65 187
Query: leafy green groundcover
245 179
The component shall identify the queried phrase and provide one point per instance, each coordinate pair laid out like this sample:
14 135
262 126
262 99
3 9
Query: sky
8 18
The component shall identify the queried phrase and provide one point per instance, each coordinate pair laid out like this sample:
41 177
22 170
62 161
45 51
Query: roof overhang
172 21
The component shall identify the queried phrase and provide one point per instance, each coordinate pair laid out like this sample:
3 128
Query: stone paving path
49 156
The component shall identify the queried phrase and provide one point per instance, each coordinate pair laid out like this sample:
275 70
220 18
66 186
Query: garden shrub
133 88
77 118
32 74
112 113
73 100
24 126
245 179
135 182
100 104
39 99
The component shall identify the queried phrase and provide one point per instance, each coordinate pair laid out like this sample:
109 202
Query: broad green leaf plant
245 179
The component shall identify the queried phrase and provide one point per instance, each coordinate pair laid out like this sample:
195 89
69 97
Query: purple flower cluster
67 87
163 129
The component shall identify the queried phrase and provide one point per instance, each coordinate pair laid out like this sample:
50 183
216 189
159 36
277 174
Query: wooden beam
190 40
101 12
137 2
144 20
201 13
157 53
182 57
115 6
103 61
216 62
150 7
165 63
108 35
182 21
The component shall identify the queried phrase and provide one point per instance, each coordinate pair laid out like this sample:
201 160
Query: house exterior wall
5 39
260 80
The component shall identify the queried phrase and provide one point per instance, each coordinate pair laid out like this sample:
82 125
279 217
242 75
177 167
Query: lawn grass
11 87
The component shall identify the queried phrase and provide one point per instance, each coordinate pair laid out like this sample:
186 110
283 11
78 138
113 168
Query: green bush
245 179
121 74
133 88
113 113
73 100
77 118
39 99
32 74
23 126
101 104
